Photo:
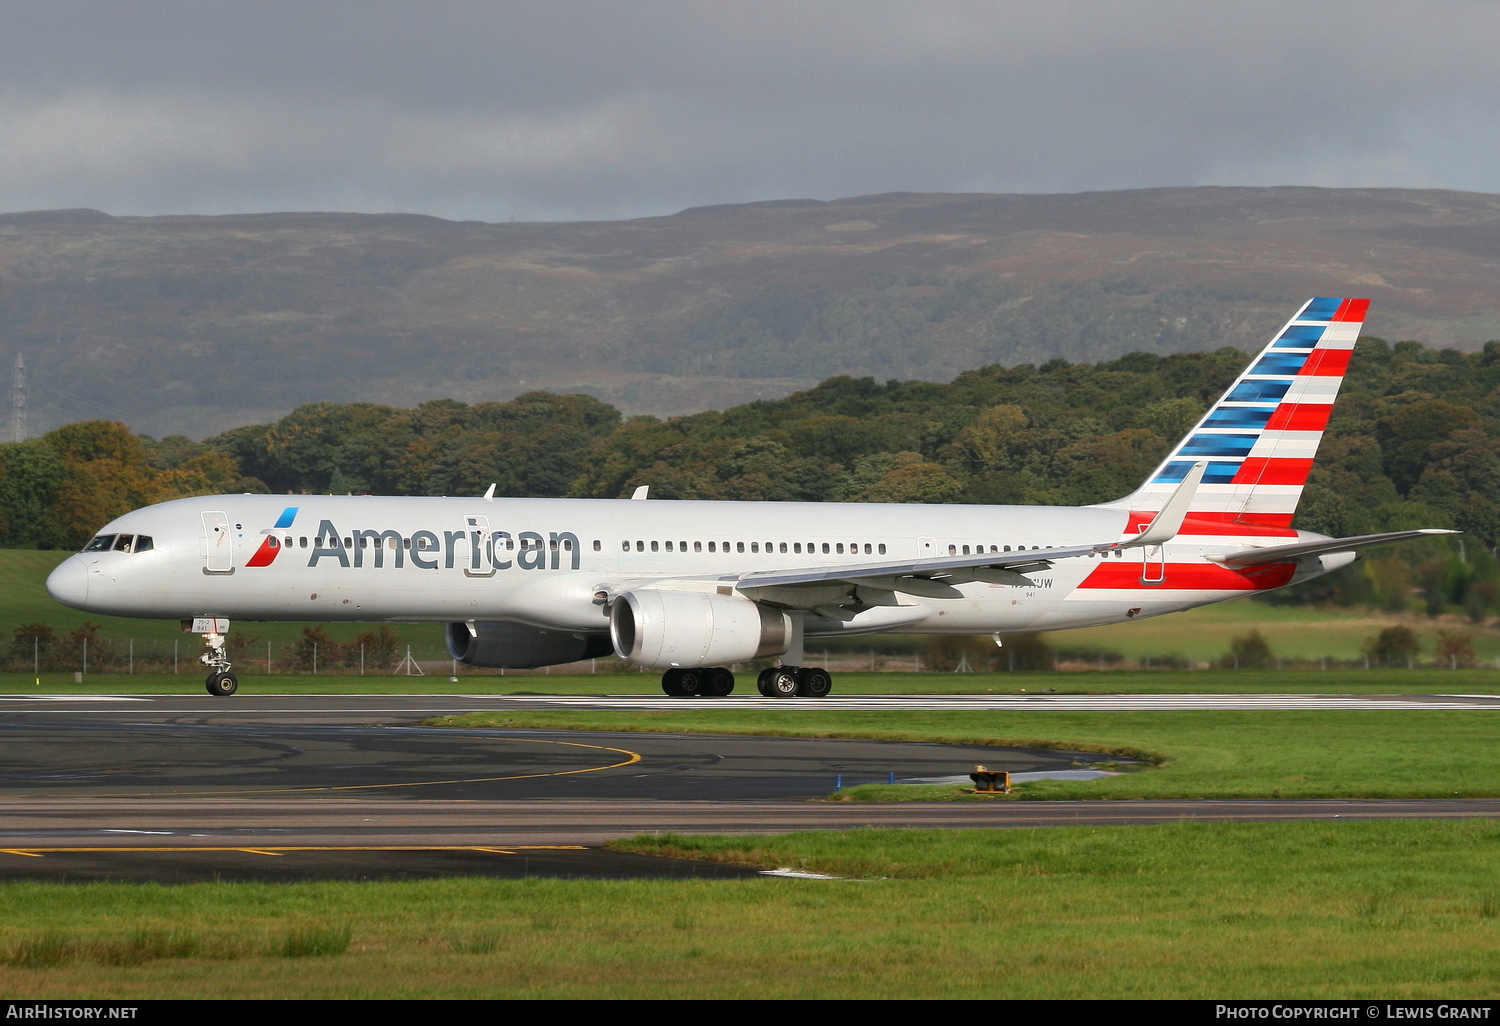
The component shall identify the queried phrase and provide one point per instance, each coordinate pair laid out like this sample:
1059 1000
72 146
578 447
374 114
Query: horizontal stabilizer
1285 553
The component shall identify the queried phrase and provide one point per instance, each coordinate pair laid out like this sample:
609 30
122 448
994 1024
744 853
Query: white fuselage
546 562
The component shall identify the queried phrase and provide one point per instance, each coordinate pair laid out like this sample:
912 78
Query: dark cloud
592 109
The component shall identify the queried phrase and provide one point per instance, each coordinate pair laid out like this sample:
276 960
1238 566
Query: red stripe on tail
1262 470
1327 363
1352 310
1300 417
1266 525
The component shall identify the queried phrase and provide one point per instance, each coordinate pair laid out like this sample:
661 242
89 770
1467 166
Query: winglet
640 493
1165 525
489 493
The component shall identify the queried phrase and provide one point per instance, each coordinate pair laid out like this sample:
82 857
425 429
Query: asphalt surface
180 788
372 746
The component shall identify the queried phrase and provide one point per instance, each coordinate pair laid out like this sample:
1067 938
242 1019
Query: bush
1248 652
1455 649
1394 647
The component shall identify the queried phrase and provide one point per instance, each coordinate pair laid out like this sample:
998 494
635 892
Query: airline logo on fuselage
270 547
476 551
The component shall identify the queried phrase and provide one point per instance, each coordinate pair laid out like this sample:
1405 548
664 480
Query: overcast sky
567 110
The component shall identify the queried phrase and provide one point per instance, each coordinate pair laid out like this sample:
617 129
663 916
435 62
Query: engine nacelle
684 628
520 646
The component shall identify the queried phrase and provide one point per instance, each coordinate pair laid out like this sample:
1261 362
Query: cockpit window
122 542
102 543
142 543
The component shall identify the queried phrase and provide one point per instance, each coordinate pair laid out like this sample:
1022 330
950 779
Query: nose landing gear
220 683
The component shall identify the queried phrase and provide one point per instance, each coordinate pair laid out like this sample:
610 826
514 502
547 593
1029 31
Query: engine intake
520 646
682 628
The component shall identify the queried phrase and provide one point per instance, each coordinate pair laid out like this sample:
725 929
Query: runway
297 787
339 707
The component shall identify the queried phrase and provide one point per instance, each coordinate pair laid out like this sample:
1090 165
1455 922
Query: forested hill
210 322
1414 442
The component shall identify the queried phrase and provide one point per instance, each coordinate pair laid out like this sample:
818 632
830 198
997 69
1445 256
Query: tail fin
1261 436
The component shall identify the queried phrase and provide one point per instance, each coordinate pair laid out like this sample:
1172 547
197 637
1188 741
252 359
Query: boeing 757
692 587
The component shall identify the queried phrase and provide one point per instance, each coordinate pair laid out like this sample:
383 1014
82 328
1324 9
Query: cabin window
122 542
682 546
783 546
882 548
625 546
597 545
348 543
391 543
966 549
867 548
755 546
825 548
654 547
640 546
552 545
952 550
143 543
839 548
797 548
739 546
364 542
698 546
710 546
669 546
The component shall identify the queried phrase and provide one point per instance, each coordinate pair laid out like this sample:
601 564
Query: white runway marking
70 698
1011 703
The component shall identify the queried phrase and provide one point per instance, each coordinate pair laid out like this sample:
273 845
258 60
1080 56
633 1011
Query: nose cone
69 583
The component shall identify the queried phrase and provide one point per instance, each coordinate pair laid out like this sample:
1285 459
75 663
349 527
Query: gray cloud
590 109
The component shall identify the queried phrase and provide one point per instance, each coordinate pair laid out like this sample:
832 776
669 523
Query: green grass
1294 910
1207 754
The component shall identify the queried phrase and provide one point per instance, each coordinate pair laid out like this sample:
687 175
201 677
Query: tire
783 682
690 682
717 682
813 682
222 685
671 683
763 682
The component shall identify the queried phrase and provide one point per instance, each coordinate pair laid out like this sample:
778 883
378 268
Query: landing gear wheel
782 682
763 682
671 683
221 685
690 682
813 682
717 682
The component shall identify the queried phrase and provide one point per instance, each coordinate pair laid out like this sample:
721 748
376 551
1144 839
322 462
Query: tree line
1414 441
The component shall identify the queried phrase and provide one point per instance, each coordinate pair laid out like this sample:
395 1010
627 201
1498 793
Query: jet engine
682 628
520 646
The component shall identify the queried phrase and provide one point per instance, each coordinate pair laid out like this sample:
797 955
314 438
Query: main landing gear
776 682
794 681
714 682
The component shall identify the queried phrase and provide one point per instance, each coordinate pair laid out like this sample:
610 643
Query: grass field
1393 910
1206 754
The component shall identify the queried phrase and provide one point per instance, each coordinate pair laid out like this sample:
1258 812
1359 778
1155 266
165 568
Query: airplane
691 587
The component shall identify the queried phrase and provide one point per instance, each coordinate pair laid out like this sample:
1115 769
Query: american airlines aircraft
690 587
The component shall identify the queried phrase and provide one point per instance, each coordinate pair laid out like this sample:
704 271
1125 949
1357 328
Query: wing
1286 553
930 577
